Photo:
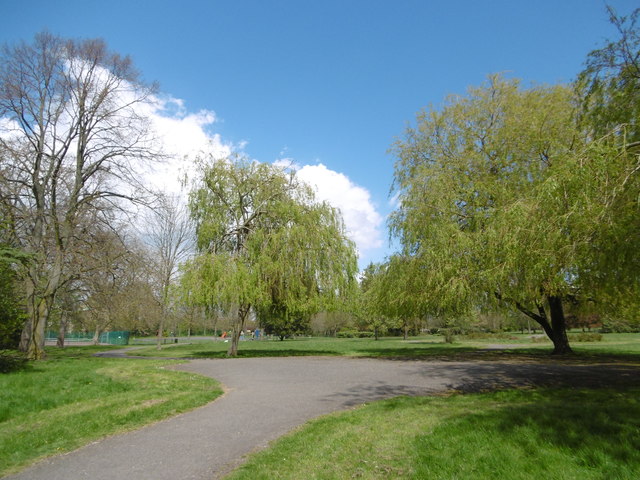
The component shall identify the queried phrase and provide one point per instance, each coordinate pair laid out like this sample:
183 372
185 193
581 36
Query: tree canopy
69 137
265 243
498 195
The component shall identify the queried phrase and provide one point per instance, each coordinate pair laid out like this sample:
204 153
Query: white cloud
183 136
361 218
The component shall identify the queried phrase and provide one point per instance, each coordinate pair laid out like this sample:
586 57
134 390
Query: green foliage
265 243
12 313
467 178
586 337
609 86
11 361
277 320
504 198
354 334
371 304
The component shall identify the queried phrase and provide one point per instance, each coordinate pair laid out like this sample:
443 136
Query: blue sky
326 82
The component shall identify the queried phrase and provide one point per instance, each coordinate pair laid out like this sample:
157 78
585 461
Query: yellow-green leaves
471 179
264 240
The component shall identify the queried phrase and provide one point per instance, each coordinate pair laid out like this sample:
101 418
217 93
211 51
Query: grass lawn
510 435
430 346
73 398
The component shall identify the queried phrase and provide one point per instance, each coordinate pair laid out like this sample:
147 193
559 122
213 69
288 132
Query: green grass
424 346
511 435
626 346
73 398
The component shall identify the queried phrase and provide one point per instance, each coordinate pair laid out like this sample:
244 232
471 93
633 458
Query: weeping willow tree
391 295
266 244
505 198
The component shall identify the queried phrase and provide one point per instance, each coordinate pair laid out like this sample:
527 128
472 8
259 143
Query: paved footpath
267 397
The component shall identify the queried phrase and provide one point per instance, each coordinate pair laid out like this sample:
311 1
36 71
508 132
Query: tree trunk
215 328
160 332
38 308
556 330
33 333
62 332
559 327
243 311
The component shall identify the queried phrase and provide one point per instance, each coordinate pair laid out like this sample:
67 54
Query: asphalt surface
267 397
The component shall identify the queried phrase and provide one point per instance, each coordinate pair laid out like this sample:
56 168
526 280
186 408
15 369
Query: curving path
267 397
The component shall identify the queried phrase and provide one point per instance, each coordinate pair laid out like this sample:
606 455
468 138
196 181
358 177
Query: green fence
111 338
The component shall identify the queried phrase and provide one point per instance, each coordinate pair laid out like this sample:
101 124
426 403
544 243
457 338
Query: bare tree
71 137
170 235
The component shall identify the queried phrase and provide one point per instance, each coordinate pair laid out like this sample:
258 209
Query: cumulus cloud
182 136
185 135
362 220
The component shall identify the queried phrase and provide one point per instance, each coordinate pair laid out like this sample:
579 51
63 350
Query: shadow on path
267 397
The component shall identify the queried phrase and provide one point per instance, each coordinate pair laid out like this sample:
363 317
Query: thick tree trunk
38 308
243 311
559 327
556 330
33 333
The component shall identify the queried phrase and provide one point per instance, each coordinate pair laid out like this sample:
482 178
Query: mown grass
305 346
627 346
73 398
511 435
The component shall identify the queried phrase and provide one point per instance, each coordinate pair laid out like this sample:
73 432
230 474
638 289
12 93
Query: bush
585 337
618 326
354 334
11 361
449 335
477 335
540 339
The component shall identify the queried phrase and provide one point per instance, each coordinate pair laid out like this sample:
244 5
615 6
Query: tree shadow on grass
539 433
263 353
432 350
446 353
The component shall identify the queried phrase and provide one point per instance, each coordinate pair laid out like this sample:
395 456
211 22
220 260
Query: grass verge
73 398
626 346
510 435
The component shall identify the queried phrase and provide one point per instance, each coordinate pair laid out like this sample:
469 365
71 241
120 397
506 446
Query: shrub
477 335
10 361
586 337
540 339
354 334
449 335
